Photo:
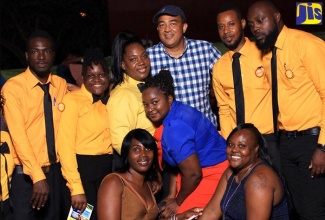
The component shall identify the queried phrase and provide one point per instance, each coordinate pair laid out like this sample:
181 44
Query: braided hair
163 81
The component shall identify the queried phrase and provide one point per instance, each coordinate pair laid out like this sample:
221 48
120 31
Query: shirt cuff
76 189
37 175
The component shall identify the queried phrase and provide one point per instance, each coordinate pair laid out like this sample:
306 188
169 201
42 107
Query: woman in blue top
189 141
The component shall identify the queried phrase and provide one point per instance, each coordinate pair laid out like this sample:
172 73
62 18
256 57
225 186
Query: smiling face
171 30
96 80
242 149
136 62
263 23
156 104
140 158
40 56
231 29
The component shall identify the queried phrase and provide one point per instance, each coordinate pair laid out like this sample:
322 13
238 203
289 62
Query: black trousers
6 211
272 142
92 169
21 192
308 195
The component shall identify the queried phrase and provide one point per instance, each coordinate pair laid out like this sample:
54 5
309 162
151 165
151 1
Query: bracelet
173 217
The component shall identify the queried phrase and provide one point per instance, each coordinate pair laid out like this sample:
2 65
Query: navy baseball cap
169 10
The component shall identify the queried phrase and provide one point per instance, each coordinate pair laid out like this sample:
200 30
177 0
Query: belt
19 169
310 131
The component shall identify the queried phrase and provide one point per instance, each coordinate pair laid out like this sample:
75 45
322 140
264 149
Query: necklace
230 196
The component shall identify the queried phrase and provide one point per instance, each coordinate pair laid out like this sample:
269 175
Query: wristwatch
321 147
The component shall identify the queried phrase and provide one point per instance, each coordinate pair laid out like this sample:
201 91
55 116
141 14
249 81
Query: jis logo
309 13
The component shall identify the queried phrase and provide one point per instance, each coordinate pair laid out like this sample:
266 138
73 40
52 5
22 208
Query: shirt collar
170 112
185 49
93 98
245 50
32 81
130 80
282 37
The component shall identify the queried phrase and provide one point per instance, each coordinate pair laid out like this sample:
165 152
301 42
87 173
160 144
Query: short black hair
94 56
163 81
262 151
148 141
228 6
41 34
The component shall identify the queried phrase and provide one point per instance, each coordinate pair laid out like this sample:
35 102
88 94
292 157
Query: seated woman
84 141
249 188
127 194
189 142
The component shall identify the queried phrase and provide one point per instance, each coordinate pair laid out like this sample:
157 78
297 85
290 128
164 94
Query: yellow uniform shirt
24 113
126 111
301 95
257 92
84 130
5 176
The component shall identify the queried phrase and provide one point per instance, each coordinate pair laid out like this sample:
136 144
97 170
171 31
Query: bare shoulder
263 177
112 181
228 172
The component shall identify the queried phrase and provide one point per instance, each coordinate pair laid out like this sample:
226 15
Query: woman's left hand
170 208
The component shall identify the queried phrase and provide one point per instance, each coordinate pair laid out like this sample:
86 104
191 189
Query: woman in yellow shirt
84 143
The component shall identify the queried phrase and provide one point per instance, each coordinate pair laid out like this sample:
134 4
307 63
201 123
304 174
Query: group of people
115 149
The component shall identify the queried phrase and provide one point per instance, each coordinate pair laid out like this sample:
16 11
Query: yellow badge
61 107
289 73
259 71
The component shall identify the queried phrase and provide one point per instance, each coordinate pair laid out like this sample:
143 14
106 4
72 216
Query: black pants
272 142
6 211
93 169
21 192
308 195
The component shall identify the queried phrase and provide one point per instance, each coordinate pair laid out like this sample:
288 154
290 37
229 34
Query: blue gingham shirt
191 72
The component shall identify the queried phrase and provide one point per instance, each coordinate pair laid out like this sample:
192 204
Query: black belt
310 131
45 169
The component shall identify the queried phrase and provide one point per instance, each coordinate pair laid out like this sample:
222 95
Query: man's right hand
79 202
40 194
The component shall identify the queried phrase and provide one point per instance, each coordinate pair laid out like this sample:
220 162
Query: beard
270 39
236 43
39 72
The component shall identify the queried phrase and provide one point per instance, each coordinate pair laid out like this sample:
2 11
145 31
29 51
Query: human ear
256 148
170 100
26 56
277 16
123 65
243 23
184 27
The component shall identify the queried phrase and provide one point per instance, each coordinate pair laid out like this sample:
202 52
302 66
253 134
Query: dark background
104 19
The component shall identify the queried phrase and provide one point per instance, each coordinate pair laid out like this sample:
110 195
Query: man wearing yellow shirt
6 166
256 88
35 187
84 141
300 69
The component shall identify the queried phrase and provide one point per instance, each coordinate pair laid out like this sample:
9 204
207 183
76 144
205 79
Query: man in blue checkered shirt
189 61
